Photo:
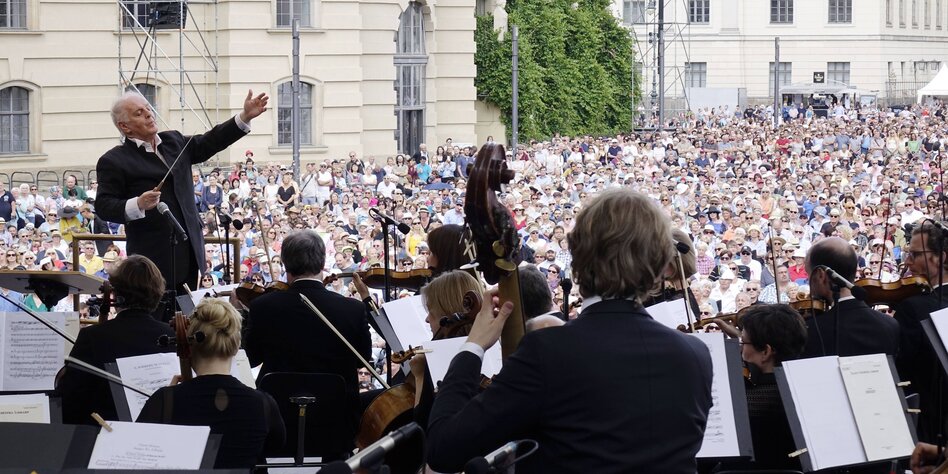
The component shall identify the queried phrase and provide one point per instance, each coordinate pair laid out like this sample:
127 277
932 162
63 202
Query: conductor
134 177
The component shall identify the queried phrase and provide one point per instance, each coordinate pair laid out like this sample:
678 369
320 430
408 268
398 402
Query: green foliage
575 68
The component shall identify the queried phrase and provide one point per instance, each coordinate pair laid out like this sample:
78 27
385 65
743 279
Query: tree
576 74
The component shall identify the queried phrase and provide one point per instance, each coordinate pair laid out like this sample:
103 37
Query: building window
781 11
928 13
285 114
902 13
13 14
840 11
696 74
411 61
134 14
837 73
699 11
289 10
785 73
939 10
148 91
633 12
480 8
915 13
14 120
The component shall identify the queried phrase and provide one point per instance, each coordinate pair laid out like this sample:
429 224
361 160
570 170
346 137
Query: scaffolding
171 50
662 36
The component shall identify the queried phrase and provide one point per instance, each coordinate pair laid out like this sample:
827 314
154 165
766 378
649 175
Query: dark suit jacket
127 171
284 335
613 391
99 226
916 360
862 331
131 333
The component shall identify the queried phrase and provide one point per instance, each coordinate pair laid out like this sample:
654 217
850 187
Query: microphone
499 459
681 247
377 215
374 453
226 219
857 291
163 209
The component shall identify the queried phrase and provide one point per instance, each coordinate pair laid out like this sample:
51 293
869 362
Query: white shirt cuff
132 212
240 123
473 349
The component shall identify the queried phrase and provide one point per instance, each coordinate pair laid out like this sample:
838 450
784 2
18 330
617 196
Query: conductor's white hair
118 111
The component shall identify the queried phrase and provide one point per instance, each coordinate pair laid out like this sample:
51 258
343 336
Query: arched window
285 114
14 120
410 62
148 91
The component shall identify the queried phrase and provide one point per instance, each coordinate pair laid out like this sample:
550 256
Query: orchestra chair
327 429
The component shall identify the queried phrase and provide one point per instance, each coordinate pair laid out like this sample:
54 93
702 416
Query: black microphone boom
374 453
501 458
163 209
858 292
226 219
377 215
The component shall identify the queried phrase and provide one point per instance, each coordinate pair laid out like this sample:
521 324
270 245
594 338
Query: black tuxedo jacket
862 331
285 336
127 171
916 360
99 226
613 391
131 333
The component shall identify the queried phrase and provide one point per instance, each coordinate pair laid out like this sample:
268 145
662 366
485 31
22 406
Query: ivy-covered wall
575 68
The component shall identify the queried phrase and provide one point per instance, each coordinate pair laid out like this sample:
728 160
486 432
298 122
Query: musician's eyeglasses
916 253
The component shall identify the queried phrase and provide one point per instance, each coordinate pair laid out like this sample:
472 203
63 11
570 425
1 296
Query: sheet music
720 435
877 406
669 313
149 446
201 293
32 408
444 350
241 370
822 406
407 316
940 319
149 372
72 328
32 353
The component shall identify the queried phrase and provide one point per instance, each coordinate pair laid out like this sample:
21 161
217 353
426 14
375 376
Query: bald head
835 253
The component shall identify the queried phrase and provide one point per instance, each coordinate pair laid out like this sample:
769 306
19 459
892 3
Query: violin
401 357
808 307
247 292
375 278
893 292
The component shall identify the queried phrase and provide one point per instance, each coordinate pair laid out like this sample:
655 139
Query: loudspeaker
167 15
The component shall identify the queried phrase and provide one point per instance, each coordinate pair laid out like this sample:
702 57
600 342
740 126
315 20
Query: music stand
50 286
63 446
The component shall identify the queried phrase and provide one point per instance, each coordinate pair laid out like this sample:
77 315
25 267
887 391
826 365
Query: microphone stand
388 292
225 246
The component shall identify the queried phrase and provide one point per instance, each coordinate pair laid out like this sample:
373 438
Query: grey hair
535 292
303 253
118 111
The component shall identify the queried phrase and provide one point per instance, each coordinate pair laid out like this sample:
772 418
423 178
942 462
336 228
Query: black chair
329 427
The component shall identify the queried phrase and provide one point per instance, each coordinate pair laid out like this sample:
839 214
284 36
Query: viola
893 292
180 324
375 278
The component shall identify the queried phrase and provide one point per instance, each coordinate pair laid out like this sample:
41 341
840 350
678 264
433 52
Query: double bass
495 237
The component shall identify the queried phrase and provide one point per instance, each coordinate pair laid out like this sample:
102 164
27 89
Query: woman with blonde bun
248 419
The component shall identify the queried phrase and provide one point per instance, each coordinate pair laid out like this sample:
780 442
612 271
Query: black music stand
62 446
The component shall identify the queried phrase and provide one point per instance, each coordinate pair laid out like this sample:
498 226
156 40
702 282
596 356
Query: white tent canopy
938 86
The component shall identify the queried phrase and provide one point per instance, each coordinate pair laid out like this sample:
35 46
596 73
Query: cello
495 237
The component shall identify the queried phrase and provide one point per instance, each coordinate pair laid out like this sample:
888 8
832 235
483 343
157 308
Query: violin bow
684 288
773 258
885 236
342 338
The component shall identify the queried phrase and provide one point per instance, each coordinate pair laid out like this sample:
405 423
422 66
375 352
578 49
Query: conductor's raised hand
254 106
490 321
149 200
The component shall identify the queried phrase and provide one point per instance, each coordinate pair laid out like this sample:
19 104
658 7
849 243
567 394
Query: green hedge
575 68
